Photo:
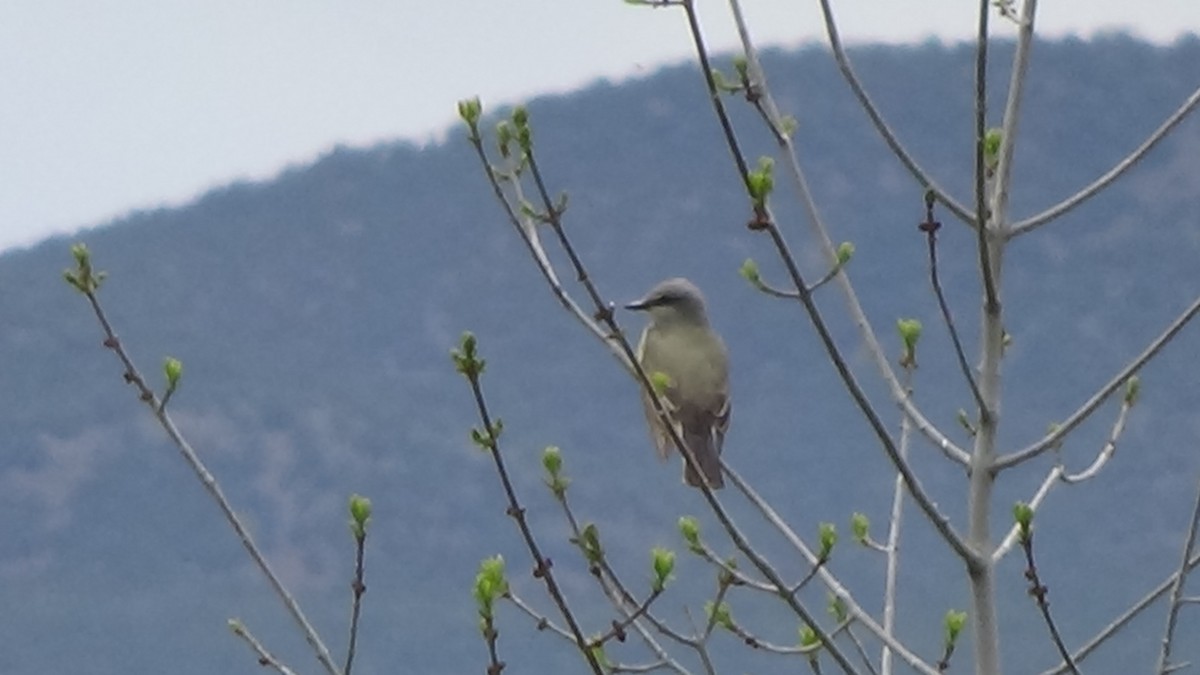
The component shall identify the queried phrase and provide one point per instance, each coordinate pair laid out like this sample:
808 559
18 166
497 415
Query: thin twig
857 314
1125 617
1059 474
1012 116
147 396
862 650
1036 221
737 576
265 657
491 638
527 229
622 599
881 125
541 621
1189 544
1051 479
358 588
983 217
930 228
766 222
1038 591
795 295
892 548
1107 451
617 630
542 566
1090 406
754 642
853 609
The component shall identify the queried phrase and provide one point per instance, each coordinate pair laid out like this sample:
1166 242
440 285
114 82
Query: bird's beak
637 305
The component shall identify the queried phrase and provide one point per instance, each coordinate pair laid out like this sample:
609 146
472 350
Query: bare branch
930 228
881 126
1128 615
983 216
1189 545
892 548
981 576
1106 452
1051 479
206 478
540 620
265 657
1038 590
1076 418
471 368
526 227
828 579
358 589
898 392
1059 474
1012 114
1036 221
940 522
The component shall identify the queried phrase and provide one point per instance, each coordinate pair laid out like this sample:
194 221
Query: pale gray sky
113 105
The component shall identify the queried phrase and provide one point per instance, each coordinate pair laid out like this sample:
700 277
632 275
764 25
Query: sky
116 105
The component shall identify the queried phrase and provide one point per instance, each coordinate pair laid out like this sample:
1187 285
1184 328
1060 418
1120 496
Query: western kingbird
680 350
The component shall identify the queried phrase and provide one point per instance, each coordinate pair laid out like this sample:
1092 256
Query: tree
850 638
987 216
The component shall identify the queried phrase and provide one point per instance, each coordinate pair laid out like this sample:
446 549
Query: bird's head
673 300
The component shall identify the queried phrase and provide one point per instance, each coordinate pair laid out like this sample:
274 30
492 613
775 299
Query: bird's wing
721 423
662 438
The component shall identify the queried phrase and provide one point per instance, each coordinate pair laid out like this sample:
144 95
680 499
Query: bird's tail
705 452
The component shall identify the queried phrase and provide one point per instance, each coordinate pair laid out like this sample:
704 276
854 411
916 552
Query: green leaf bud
808 637
172 370
837 608
1133 388
589 541
360 509
991 147
597 649
760 182
663 560
828 536
490 584
552 460
910 333
954 623
469 110
719 614
466 360
860 525
741 66
749 271
504 138
520 116
845 251
689 527
1023 515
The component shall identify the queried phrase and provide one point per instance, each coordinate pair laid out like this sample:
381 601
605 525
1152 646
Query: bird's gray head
673 300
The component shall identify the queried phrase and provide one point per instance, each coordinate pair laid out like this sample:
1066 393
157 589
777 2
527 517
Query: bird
681 353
